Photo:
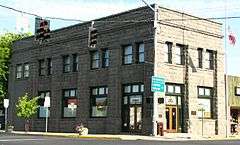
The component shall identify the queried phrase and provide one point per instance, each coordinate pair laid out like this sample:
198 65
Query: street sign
6 103
47 102
158 84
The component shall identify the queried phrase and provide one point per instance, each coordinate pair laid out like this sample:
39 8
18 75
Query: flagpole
226 70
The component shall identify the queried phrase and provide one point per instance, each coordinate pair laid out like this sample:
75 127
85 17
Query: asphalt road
40 140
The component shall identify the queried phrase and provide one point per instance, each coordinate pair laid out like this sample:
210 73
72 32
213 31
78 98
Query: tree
6 41
26 108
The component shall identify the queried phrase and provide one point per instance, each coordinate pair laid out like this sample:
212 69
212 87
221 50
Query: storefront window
204 102
69 103
99 101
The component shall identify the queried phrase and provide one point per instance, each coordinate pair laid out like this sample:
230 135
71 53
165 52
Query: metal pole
46 129
226 72
202 121
6 125
155 94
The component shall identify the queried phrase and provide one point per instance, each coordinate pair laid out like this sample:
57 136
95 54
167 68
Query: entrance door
135 118
171 117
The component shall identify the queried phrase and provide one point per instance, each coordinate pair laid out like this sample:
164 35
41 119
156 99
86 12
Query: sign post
6 105
46 106
158 88
202 111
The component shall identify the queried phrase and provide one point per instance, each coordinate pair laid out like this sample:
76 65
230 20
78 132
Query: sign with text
6 103
158 84
47 102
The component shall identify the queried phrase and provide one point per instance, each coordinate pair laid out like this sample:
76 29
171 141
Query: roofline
191 15
86 22
122 13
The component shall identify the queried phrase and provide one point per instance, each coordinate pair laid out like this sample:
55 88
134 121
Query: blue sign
158 84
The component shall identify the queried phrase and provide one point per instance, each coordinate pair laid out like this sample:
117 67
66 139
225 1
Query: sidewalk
177 137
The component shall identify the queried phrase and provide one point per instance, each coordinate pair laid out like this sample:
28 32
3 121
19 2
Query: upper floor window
200 57
210 59
180 56
127 54
42 110
204 102
237 91
99 101
41 67
75 62
95 60
66 63
140 51
19 71
49 66
168 52
69 103
26 70
105 58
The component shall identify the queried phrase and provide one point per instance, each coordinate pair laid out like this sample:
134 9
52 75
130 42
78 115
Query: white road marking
15 140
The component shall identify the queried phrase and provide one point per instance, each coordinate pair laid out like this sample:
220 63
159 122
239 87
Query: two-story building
233 83
108 88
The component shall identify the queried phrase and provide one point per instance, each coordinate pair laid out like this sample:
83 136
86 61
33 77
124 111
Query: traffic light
92 40
43 31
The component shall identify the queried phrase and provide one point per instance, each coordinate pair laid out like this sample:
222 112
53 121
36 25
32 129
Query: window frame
210 59
105 58
140 53
75 62
66 64
174 89
236 91
207 97
127 55
26 71
181 55
132 93
168 52
200 57
19 71
93 99
41 67
64 98
49 66
97 60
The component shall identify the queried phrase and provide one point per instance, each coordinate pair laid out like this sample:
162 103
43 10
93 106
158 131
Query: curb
62 135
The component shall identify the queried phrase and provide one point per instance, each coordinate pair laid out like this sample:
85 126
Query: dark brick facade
74 39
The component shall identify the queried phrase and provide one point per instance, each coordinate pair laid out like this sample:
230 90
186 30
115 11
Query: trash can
160 128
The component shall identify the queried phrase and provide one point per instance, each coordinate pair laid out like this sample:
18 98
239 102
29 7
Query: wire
32 14
121 21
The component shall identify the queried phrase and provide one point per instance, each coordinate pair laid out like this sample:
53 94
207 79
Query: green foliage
27 107
6 41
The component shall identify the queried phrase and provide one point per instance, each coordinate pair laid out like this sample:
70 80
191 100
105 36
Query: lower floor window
69 103
99 101
204 108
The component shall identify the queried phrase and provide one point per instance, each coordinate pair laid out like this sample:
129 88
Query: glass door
171 118
135 118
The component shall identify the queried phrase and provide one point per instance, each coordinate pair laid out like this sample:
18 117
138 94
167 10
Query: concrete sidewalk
167 137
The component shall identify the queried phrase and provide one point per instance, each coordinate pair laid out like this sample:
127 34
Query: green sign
158 84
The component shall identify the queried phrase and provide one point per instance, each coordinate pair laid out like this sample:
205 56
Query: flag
231 37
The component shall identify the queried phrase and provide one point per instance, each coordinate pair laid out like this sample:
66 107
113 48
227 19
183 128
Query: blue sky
91 9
